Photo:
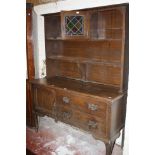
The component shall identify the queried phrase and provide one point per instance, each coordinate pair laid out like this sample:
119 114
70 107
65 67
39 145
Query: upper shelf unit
88 45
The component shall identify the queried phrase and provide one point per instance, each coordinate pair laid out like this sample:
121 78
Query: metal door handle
66 115
66 100
92 124
92 107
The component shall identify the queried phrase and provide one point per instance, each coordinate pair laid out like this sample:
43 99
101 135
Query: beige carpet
62 139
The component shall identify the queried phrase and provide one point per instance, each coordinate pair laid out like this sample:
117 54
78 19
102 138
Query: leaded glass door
74 24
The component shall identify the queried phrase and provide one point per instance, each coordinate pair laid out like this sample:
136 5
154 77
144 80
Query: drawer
84 121
86 104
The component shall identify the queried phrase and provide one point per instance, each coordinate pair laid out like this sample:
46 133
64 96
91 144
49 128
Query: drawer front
85 104
83 121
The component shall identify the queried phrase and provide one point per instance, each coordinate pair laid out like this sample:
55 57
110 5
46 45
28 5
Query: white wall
39 43
38 34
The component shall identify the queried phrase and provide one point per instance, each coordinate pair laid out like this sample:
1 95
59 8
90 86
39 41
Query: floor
61 139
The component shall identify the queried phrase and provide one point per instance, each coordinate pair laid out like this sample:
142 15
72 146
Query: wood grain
87 76
30 66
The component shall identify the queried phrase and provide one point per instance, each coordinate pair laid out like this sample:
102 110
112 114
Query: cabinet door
74 24
44 99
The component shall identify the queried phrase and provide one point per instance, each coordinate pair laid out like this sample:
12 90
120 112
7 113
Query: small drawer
86 104
90 123
84 121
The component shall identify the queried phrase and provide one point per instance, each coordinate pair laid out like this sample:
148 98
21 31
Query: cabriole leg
36 122
109 147
123 136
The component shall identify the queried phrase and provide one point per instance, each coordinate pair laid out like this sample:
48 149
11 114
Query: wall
38 34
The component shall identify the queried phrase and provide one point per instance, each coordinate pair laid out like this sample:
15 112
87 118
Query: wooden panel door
44 100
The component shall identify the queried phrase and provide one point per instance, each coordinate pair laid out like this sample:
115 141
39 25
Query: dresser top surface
100 90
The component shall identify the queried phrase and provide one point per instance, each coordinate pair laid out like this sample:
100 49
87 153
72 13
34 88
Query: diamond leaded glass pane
74 25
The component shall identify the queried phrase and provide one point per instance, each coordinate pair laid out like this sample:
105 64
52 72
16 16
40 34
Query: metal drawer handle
66 115
92 107
66 100
92 124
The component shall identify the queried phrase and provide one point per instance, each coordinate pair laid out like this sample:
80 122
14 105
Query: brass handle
66 115
92 124
66 100
92 107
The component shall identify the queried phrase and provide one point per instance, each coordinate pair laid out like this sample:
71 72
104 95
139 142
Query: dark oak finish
29 45
30 65
93 105
87 76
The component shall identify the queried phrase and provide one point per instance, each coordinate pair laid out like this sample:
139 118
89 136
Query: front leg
123 136
36 122
109 147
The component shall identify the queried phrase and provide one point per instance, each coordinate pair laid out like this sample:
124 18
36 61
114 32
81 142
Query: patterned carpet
62 139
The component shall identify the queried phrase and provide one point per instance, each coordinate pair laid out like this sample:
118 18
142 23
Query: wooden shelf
113 28
56 38
86 87
84 39
98 39
85 60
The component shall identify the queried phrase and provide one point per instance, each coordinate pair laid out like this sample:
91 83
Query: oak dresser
87 71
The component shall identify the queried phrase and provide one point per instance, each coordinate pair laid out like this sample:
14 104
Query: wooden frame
30 66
